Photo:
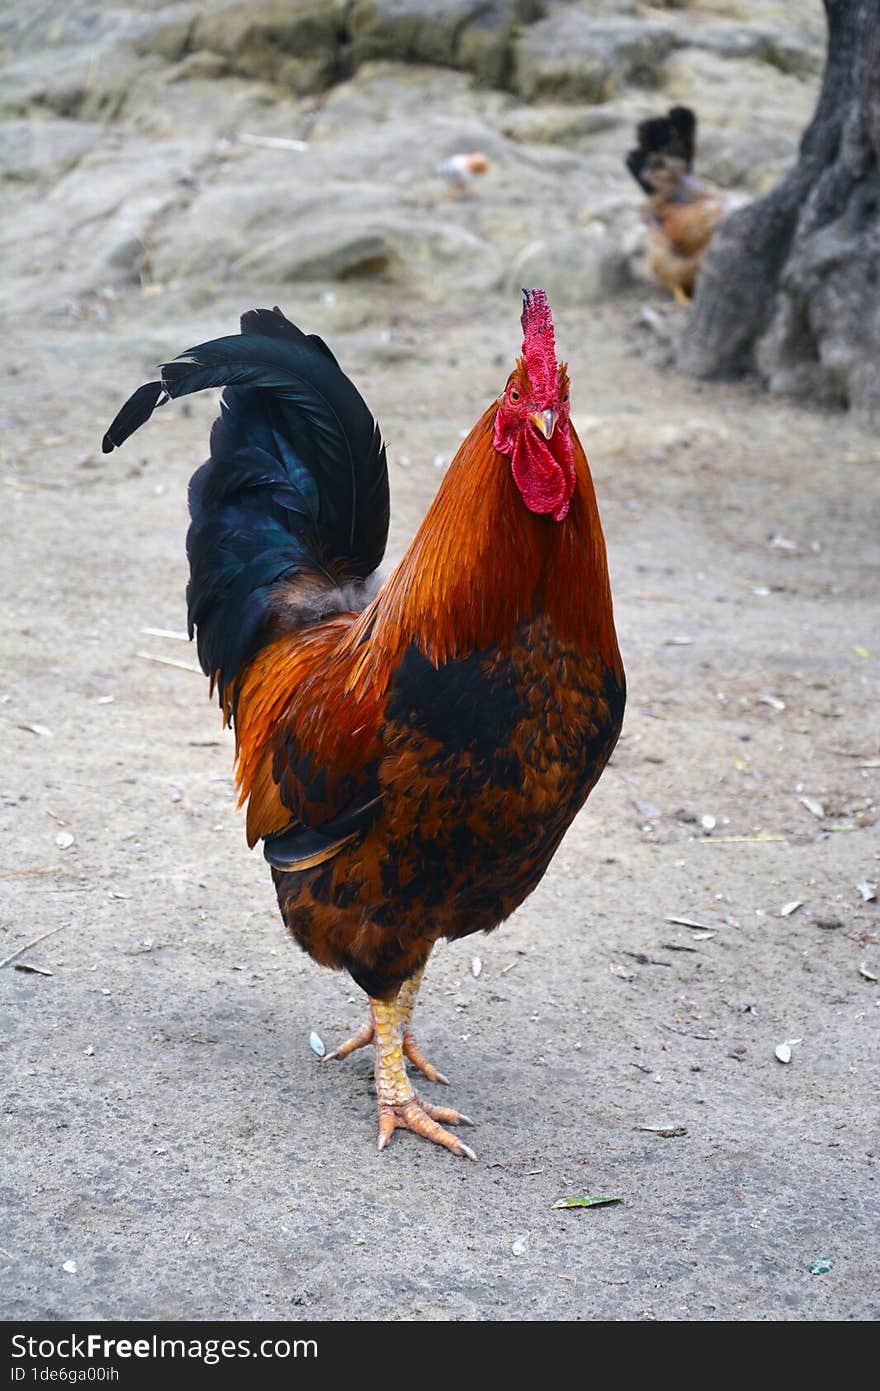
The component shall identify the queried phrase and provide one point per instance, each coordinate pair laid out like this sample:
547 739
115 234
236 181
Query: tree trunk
790 285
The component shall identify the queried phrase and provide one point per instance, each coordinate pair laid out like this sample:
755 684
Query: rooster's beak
545 421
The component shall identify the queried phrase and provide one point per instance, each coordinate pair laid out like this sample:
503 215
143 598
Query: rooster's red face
532 427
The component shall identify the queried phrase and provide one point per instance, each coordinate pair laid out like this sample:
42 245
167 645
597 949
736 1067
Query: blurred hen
681 211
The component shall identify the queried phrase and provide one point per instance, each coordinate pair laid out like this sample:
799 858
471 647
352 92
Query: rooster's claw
422 1119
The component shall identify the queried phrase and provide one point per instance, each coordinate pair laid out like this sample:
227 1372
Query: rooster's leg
406 1003
399 1106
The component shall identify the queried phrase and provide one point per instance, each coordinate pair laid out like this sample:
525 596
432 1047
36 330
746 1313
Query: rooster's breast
490 759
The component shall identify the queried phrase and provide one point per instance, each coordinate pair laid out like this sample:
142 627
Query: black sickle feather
135 413
296 483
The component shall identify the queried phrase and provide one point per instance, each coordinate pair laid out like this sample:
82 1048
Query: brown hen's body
411 768
678 234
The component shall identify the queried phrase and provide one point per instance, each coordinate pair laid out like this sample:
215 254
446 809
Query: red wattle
545 482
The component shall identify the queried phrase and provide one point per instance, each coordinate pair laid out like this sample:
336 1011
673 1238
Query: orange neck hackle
481 564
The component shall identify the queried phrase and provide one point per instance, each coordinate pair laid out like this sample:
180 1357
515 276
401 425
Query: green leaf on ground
585 1202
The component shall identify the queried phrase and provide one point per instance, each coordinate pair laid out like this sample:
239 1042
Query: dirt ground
173 1149
169 1131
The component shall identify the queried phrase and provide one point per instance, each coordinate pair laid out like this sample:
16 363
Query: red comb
539 343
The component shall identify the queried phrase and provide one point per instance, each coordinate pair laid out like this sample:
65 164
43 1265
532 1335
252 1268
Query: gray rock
793 53
77 82
355 231
93 228
200 66
471 34
260 38
728 41
304 75
752 159
165 33
408 30
571 57
130 257
304 44
790 52
557 125
34 150
737 94
484 44
325 249
574 267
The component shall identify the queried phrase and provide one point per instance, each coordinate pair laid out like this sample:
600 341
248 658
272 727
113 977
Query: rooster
411 759
681 211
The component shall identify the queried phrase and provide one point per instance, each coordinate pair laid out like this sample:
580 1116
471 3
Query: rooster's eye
514 395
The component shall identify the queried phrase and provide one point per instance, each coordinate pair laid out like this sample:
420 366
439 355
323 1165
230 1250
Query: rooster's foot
416 1115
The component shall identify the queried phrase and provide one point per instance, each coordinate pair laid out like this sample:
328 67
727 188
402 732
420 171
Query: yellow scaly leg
406 1003
400 1108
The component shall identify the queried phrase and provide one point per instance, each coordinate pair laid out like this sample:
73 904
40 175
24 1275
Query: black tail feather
135 413
297 482
673 134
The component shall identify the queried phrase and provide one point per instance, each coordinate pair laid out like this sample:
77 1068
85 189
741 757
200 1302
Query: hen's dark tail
671 135
290 513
